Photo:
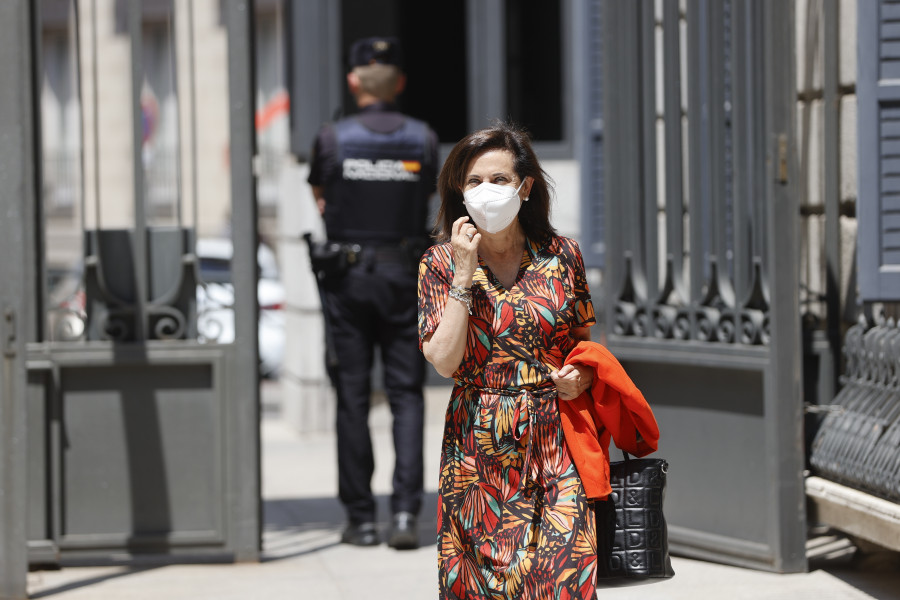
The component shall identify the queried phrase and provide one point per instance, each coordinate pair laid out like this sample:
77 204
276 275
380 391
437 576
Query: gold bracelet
462 294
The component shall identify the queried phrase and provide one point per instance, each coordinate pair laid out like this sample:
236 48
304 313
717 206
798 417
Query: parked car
65 301
215 301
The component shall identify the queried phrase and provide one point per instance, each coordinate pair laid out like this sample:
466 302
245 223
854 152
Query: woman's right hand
464 238
446 347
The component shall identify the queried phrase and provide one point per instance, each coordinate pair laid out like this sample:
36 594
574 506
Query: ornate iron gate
701 253
143 437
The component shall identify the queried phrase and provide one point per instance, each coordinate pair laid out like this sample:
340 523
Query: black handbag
632 537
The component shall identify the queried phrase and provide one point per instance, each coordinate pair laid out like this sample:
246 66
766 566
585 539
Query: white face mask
493 207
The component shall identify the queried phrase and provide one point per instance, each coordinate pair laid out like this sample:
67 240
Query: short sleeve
435 278
584 307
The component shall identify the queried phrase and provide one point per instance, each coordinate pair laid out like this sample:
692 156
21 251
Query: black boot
404 533
361 534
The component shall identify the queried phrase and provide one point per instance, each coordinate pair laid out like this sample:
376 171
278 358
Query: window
468 62
432 35
534 82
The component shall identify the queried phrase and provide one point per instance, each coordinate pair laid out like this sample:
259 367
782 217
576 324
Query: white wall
307 399
566 210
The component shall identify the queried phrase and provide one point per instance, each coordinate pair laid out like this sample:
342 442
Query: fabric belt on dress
526 398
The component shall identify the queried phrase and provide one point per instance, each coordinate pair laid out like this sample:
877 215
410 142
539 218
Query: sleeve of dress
584 307
435 277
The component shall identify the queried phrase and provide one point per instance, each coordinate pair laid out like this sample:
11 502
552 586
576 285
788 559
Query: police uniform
378 168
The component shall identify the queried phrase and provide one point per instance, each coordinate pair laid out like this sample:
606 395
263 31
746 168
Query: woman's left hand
572 380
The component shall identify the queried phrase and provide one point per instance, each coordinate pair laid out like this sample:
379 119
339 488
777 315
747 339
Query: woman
502 301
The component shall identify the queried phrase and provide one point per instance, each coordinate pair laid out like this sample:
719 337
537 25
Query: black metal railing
858 441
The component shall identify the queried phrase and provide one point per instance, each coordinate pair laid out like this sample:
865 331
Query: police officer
372 174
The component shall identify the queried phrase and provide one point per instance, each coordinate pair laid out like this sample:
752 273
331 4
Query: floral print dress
513 518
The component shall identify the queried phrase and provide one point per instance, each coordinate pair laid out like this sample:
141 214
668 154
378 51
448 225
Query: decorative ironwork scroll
122 309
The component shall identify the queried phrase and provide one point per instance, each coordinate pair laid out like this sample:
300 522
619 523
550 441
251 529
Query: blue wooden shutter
878 97
590 125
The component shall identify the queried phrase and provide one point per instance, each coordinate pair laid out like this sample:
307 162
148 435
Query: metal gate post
17 192
784 406
245 432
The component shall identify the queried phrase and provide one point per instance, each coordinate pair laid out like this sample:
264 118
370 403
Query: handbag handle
627 457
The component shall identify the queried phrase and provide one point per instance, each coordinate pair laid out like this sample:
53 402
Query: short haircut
534 216
379 80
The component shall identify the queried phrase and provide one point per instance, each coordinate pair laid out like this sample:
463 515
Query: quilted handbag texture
632 536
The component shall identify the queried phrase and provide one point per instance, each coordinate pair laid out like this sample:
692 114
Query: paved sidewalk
303 558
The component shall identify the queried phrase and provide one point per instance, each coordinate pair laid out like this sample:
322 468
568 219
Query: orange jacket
613 407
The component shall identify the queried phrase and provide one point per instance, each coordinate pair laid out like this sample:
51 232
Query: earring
526 198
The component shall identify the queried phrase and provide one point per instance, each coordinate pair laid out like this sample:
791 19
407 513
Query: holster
331 260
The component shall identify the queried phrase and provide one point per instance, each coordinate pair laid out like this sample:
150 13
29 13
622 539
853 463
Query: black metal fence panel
857 442
701 264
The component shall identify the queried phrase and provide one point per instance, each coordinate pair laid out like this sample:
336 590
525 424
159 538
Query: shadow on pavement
874 573
295 527
81 583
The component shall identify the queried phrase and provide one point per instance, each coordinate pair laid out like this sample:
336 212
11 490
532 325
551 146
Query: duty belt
389 253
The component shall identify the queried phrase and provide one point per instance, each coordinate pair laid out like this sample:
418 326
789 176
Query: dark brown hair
534 216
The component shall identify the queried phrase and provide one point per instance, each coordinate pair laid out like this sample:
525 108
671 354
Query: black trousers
374 306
